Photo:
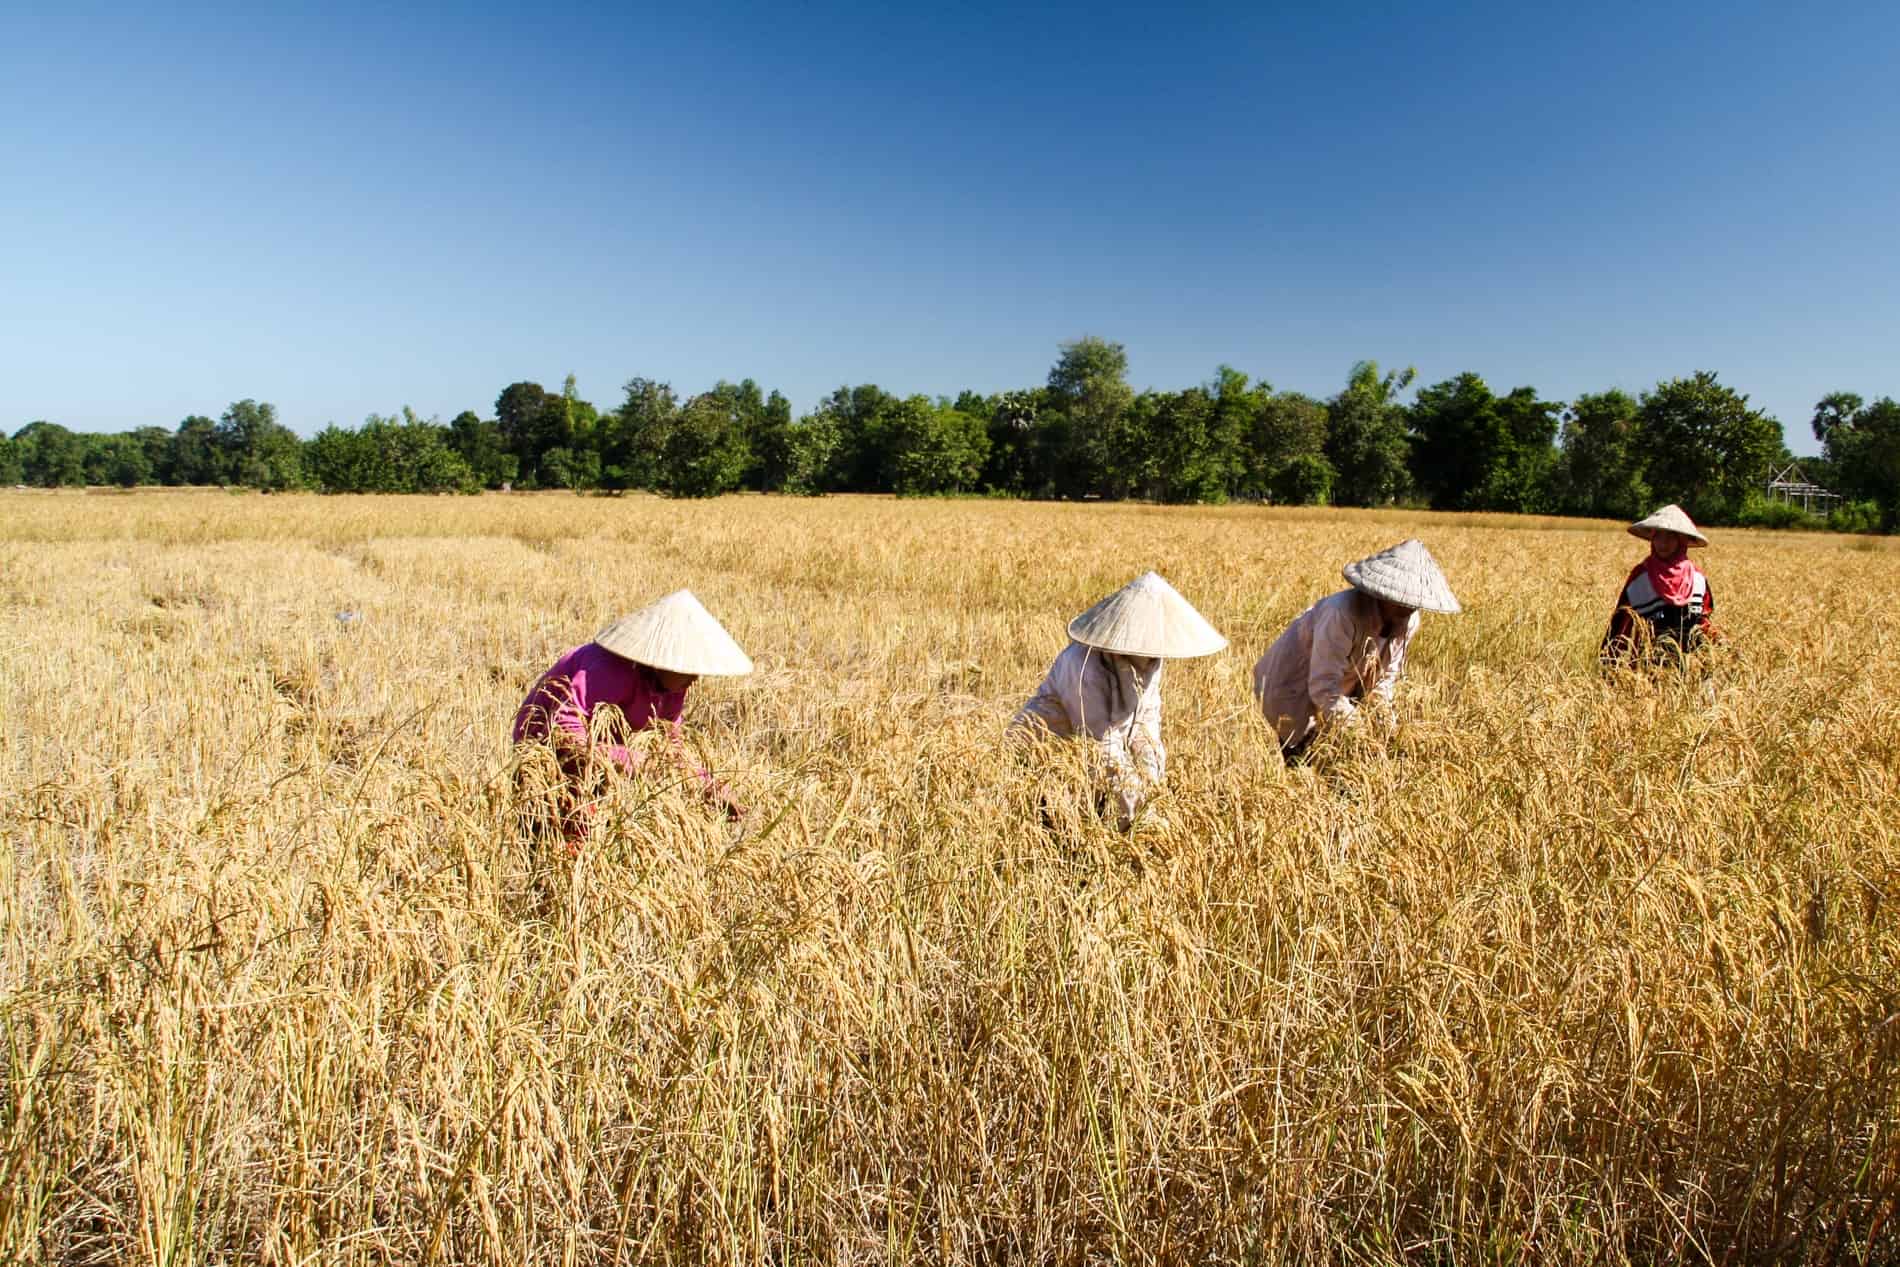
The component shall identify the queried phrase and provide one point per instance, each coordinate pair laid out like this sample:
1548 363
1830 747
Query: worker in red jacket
1665 608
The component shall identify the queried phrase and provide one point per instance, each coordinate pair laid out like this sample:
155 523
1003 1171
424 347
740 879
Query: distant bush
1760 511
1862 516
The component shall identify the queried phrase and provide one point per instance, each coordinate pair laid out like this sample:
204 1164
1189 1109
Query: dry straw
1575 969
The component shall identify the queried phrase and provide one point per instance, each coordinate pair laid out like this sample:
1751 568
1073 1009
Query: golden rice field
1574 970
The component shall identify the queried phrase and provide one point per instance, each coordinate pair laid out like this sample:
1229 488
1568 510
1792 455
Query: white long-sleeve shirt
1112 699
1335 651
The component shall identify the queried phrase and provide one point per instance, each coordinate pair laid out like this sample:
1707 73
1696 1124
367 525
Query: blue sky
346 209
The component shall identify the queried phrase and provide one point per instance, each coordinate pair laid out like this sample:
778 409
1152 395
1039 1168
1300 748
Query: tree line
1085 432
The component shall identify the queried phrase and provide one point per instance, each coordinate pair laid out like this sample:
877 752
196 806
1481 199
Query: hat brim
1648 533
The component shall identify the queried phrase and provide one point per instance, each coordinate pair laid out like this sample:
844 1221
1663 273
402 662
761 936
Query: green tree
936 448
533 420
257 450
1861 443
388 455
1599 467
1191 445
578 417
1524 479
478 443
1163 443
862 461
812 443
50 456
1702 446
1088 387
1365 437
1285 451
1028 437
155 446
10 472
705 452
1456 435
337 461
196 458
1223 459
1474 450
117 459
1306 479
633 437
766 422
575 469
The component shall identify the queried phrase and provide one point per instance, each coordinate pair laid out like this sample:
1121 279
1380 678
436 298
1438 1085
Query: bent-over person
643 665
1348 649
1105 686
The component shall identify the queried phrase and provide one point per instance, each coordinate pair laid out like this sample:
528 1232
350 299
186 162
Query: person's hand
722 797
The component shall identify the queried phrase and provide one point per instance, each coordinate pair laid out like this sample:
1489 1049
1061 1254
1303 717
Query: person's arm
1149 753
1616 639
1395 662
1333 638
716 792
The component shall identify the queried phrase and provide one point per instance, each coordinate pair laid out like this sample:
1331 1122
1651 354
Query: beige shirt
1335 651
1112 699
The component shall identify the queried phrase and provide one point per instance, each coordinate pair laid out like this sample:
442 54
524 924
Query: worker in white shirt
1348 648
1106 685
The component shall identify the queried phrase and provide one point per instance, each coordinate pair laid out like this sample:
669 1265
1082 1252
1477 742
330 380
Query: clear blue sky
344 210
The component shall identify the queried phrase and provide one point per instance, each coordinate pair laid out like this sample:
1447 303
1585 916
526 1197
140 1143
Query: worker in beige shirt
1349 646
1106 684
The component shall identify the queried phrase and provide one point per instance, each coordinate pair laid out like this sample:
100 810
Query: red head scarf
1673 577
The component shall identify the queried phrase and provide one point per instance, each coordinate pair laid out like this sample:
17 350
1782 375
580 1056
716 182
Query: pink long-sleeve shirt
584 679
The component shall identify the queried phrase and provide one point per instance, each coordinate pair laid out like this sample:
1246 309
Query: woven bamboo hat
677 635
1405 574
1671 518
1147 617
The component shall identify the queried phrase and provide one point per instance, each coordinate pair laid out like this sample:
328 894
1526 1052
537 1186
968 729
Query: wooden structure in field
1792 485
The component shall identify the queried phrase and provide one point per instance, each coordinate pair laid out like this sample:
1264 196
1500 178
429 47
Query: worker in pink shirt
643 665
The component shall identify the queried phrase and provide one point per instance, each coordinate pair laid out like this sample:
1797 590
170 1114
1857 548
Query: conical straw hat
678 635
1670 518
1405 574
1147 617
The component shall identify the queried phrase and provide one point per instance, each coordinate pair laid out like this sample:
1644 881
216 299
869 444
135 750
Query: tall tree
1456 435
1862 445
1088 386
1365 437
811 445
1286 452
117 459
1237 402
1600 470
1474 450
862 462
10 472
196 458
1703 447
1190 457
936 448
705 451
479 443
155 446
1025 446
257 450
633 437
50 456
765 424
532 421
